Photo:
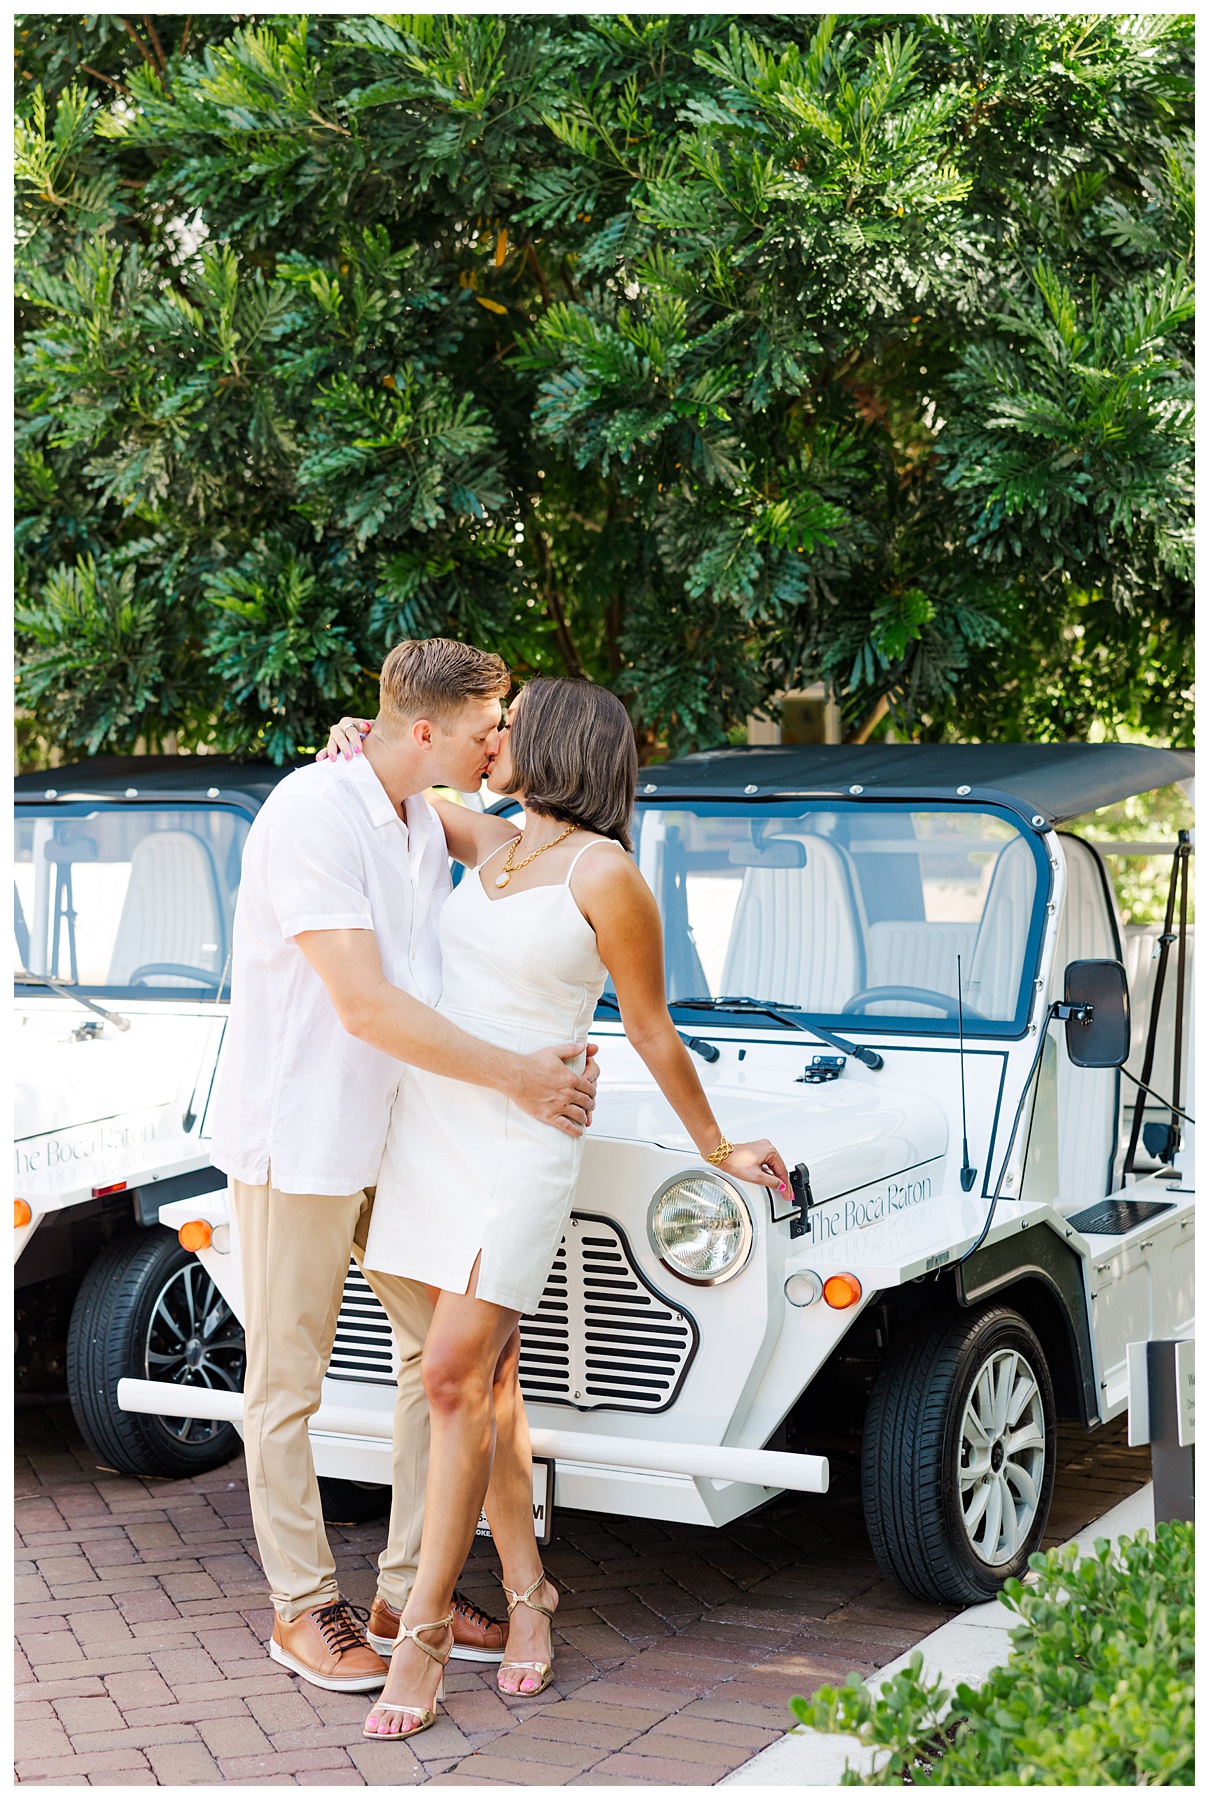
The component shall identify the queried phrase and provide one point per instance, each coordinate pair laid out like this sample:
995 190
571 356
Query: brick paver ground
142 1614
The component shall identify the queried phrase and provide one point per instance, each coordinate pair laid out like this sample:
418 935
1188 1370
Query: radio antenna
968 1175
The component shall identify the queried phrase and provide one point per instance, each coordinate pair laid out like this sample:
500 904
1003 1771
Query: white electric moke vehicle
126 871
891 961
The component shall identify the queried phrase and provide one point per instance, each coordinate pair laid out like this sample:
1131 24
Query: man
336 970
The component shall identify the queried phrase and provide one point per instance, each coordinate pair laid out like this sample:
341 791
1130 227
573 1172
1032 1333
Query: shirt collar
378 803
422 821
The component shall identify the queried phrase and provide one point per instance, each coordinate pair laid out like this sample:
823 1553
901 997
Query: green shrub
1097 1690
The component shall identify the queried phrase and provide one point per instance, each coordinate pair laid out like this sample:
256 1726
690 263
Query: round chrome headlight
700 1228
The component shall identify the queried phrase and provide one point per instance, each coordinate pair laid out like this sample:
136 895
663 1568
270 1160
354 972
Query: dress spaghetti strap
591 845
496 851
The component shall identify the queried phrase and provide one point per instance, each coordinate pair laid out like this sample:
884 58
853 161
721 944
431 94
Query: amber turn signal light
21 1213
195 1235
841 1290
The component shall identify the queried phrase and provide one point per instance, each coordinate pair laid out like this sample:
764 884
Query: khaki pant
295 1250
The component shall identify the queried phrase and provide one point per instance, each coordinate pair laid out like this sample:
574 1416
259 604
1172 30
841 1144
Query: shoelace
474 1613
342 1625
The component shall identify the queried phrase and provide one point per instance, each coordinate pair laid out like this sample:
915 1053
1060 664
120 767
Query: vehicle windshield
853 914
127 899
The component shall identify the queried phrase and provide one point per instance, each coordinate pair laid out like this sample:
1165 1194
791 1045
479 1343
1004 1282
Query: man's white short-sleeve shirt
327 852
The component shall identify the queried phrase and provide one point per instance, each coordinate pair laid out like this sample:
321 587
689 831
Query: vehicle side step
1113 1218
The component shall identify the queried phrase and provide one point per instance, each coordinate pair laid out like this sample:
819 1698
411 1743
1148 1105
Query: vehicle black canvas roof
155 778
1059 781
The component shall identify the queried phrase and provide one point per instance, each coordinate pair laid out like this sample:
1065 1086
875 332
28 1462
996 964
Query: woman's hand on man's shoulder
344 739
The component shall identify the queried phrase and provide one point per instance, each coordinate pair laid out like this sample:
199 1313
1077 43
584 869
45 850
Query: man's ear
422 734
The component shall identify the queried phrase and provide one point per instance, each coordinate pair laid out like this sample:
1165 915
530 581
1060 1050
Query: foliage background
706 356
1097 1691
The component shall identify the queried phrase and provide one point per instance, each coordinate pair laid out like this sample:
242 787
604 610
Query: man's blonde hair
432 678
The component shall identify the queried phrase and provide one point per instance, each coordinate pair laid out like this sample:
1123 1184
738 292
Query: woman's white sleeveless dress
466 1173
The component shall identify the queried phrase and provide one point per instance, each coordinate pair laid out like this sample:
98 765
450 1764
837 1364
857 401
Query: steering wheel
946 1003
186 970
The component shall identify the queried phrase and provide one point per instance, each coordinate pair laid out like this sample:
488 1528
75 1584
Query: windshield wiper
707 1052
62 987
743 1003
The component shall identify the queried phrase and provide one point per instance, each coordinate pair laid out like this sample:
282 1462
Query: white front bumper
363 1435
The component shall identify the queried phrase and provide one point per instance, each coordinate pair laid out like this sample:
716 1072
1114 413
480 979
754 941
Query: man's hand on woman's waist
542 1084
369 1007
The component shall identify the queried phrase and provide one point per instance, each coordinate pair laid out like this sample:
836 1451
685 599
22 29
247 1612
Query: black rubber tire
107 1339
910 1452
352 1502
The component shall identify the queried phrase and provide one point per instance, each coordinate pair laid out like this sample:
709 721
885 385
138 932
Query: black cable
1042 1035
1180 970
1165 1104
1167 937
969 1174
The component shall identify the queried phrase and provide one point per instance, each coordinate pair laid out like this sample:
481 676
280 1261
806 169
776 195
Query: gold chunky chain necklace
509 870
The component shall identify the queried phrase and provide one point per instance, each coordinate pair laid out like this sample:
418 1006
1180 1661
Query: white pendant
502 880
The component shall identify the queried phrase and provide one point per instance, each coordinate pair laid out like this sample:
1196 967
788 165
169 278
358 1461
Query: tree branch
539 272
865 731
327 124
119 85
614 615
156 45
142 48
554 605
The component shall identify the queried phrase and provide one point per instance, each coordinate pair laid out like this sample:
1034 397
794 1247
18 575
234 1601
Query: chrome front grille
365 1344
602 1338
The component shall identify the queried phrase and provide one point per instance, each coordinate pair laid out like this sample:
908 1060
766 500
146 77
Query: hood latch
799 1218
823 1068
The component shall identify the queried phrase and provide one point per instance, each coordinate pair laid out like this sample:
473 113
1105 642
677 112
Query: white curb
966 1649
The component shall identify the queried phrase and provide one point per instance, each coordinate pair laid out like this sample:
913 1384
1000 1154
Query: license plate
543 1502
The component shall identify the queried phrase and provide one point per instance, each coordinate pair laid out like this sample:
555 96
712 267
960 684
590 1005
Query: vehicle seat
917 953
1087 1098
994 984
171 910
795 936
1141 964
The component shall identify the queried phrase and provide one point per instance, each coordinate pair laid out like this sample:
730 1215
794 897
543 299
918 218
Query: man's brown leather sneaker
476 1636
327 1646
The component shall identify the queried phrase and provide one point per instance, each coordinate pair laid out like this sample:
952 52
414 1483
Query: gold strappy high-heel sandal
544 1669
423 1715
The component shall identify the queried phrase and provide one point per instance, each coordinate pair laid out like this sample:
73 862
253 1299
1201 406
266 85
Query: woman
473 1196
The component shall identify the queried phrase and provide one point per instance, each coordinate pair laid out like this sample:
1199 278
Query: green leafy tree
701 356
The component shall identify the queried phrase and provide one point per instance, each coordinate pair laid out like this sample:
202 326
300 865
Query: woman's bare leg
510 1514
461 1354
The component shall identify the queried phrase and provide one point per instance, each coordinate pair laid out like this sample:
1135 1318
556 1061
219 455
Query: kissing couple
407 1079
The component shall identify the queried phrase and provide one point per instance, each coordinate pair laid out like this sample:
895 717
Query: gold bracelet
719 1156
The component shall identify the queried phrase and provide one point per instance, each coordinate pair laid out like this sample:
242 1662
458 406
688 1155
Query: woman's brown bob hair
574 757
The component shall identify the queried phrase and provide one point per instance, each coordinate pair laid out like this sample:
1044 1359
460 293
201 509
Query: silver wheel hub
193 1338
1001 1457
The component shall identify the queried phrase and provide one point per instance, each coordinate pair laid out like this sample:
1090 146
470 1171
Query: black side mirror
1096 1010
